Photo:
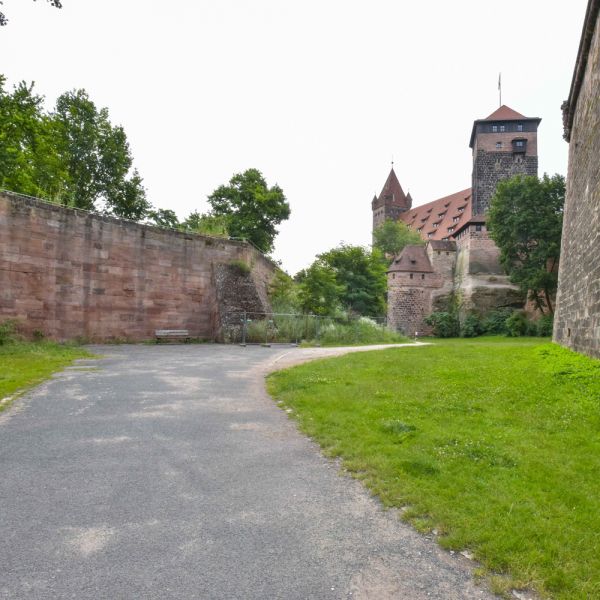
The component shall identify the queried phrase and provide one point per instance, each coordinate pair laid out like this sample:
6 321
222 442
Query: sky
320 96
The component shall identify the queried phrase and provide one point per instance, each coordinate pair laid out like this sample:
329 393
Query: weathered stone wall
408 305
492 166
577 319
68 273
480 283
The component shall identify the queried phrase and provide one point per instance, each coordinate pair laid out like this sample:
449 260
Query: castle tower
392 201
504 144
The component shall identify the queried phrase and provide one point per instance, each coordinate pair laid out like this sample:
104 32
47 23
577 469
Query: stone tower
392 201
504 144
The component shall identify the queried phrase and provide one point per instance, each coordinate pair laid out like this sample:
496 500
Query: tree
206 224
164 217
525 221
4 20
348 277
73 155
252 209
392 236
97 157
319 292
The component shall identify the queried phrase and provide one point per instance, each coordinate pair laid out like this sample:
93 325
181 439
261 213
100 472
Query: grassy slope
493 442
23 365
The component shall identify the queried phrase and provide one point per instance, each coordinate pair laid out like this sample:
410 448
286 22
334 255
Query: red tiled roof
428 214
411 259
392 190
505 113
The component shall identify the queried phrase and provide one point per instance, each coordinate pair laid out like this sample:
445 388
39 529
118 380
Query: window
502 128
495 128
435 225
411 275
478 227
456 219
520 143
450 229
498 144
423 276
461 209
520 127
393 275
444 239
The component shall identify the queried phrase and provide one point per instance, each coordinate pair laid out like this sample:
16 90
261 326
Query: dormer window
450 229
456 219
519 145
441 214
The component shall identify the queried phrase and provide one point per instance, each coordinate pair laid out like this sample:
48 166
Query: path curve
167 472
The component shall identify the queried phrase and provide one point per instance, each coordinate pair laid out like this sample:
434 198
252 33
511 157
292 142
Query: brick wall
577 319
68 274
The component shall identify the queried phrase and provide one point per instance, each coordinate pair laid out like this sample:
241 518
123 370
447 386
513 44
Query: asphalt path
167 472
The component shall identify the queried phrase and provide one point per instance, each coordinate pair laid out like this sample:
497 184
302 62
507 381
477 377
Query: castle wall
577 318
480 282
72 274
410 300
491 166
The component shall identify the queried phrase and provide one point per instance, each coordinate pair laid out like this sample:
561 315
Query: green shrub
494 323
359 331
517 325
444 324
8 330
240 267
471 327
545 325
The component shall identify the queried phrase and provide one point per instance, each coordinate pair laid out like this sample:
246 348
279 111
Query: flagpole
500 87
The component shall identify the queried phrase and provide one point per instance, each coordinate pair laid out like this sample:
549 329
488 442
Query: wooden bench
172 334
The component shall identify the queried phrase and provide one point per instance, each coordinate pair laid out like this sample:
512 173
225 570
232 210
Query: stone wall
492 166
481 285
577 319
71 274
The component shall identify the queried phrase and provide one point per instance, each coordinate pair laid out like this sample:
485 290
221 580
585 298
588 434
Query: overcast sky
318 95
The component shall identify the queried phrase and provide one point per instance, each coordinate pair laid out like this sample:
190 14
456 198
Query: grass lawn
493 442
23 365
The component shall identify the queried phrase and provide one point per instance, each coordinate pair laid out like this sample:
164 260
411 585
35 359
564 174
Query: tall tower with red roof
504 144
391 203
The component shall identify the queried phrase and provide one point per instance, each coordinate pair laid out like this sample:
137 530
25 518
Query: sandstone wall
480 282
577 319
72 274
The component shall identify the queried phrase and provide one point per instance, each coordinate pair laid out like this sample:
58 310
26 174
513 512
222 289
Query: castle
459 264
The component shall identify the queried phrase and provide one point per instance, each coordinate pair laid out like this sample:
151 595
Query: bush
545 326
360 331
240 267
444 324
517 325
471 327
8 330
494 323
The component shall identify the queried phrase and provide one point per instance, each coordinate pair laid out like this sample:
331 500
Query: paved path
166 472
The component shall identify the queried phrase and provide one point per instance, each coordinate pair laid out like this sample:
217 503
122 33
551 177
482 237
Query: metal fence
289 328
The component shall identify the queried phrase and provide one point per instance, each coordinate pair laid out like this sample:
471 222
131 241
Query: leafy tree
392 236
525 221
349 277
251 208
283 293
4 20
207 224
319 292
362 275
164 217
73 155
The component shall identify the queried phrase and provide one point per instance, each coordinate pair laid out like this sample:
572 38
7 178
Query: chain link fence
289 328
